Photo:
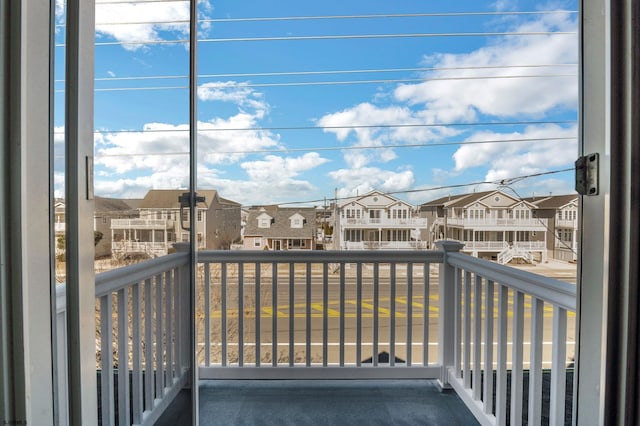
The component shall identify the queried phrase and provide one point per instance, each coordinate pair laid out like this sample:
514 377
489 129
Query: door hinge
587 174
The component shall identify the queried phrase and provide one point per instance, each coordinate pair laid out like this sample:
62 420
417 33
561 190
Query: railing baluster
149 375
258 311
136 359
501 371
106 360
325 313
558 367
488 348
178 319
159 339
308 316
123 358
240 314
516 357
342 297
409 312
392 316
207 314
457 352
535 363
292 312
426 300
274 314
168 332
477 337
376 307
466 362
223 311
359 313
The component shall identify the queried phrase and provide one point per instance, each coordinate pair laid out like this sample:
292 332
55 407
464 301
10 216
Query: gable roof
111 204
361 199
168 198
281 223
552 201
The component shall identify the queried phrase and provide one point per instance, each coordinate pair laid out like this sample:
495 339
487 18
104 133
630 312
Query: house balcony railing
153 249
142 224
414 222
437 314
385 245
493 223
571 224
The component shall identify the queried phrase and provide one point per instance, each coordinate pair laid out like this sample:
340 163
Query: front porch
435 318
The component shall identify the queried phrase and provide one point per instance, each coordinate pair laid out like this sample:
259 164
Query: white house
377 221
491 225
277 228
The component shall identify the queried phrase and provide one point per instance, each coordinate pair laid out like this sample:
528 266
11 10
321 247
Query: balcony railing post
446 323
182 317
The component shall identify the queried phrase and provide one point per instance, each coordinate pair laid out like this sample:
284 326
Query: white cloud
118 21
459 99
232 91
366 114
365 179
506 160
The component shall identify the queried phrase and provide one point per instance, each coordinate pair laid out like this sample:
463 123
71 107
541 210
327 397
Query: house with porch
277 228
160 223
377 221
561 213
491 224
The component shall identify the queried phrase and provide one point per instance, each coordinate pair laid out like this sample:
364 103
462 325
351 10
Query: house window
185 216
264 223
185 237
104 220
199 215
302 243
257 242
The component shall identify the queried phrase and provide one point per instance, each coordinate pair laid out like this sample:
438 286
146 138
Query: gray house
276 228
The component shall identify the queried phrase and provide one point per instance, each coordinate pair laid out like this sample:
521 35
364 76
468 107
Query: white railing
529 245
385 222
385 245
532 223
474 355
142 336
567 223
139 247
435 314
271 314
484 245
141 224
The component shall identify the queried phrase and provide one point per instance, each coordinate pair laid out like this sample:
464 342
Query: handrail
116 279
550 290
319 256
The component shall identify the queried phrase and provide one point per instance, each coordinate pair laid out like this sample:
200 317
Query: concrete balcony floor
323 402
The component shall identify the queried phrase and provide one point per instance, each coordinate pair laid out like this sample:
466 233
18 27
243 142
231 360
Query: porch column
446 327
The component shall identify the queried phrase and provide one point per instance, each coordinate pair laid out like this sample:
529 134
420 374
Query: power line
351 126
334 37
330 72
322 17
347 148
439 188
336 83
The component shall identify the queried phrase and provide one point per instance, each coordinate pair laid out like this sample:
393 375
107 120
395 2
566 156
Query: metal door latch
587 174
185 202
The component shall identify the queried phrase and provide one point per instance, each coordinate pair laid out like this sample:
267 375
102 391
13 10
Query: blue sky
277 117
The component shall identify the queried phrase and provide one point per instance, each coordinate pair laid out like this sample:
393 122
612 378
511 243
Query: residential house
491 224
106 210
277 228
377 221
160 223
561 213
